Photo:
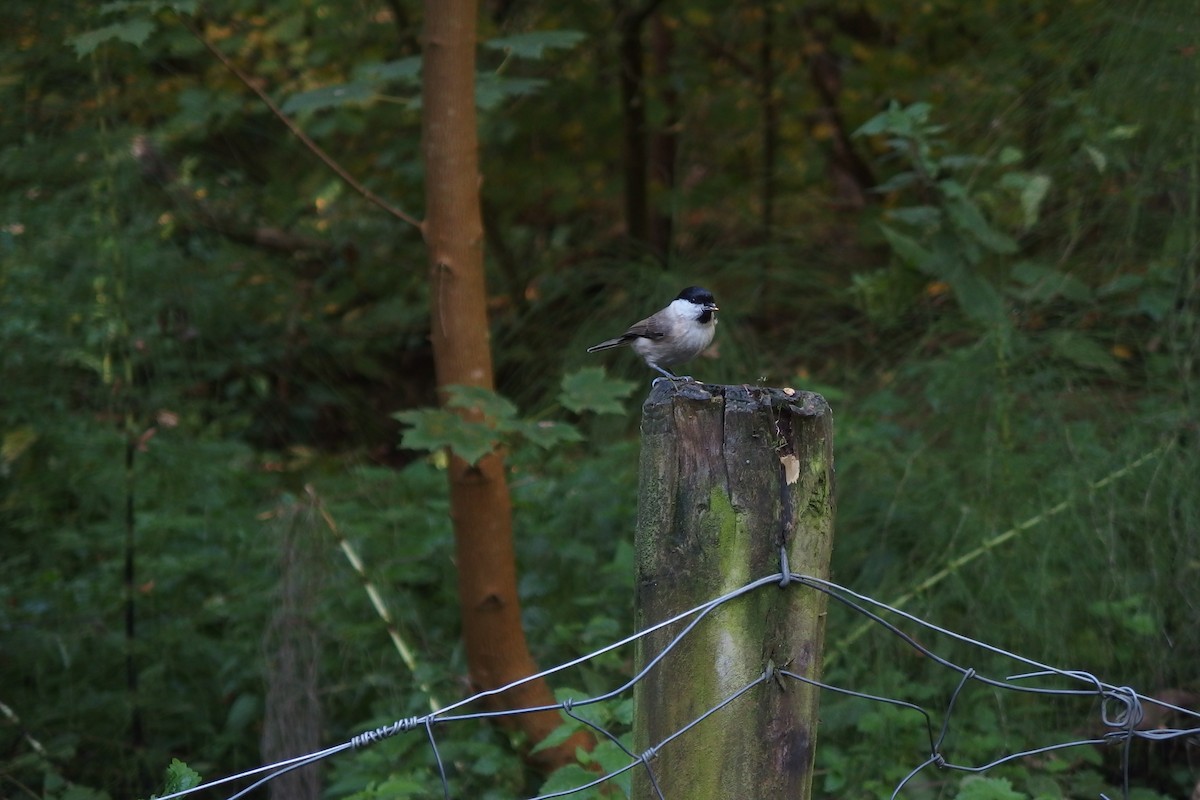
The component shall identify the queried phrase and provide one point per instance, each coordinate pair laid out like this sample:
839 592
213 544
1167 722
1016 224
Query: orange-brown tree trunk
496 649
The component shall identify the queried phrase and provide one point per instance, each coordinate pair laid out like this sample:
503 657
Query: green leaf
565 730
491 90
967 217
566 778
1155 302
1122 283
976 295
1010 155
1099 160
407 70
910 251
1032 190
901 180
917 216
1122 132
978 788
610 757
960 162
547 434
590 389
1042 283
340 94
907 121
134 32
1083 351
180 777
1032 195
498 410
436 428
535 43
152 6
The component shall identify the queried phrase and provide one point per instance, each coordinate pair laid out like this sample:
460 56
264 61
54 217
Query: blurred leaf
591 389
917 216
977 296
16 442
910 251
1122 132
565 730
534 44
1042 283
1121 284
498 410
1155 302
152 6
901 180
244 711
566 778
978 788
1082 351
407 70
1032 190
1032 195
960 162
134 32
334 96
547 434
967 217
436 428
1010 155
906 121
491 90
1099 160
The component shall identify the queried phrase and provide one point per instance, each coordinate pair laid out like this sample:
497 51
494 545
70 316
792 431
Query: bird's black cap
698 295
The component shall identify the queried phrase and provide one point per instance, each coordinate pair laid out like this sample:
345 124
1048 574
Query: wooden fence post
729 476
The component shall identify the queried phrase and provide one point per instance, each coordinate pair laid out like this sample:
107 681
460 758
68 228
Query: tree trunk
480 507
729 476
292 646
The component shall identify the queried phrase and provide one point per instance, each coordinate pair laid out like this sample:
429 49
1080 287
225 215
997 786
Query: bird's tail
620 340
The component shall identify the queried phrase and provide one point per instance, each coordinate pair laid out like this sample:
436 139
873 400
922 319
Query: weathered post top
730 477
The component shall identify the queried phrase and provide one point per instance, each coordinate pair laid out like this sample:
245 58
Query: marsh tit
678 333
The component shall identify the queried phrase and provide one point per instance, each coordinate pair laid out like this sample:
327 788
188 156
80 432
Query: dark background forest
973 226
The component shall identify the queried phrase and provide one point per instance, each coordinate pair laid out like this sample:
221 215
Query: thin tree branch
299 133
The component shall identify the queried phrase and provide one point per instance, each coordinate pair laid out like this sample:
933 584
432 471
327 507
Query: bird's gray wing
649 328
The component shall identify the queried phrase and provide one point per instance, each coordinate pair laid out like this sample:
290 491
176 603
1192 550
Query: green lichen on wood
733 554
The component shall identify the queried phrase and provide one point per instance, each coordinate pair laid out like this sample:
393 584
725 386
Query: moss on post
729 476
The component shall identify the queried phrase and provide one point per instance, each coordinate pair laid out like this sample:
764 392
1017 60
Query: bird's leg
667 375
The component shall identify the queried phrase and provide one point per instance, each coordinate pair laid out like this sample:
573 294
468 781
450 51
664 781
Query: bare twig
299 133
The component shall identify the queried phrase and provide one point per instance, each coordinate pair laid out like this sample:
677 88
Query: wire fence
1121 709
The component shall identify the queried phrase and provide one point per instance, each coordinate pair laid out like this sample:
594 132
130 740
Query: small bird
676 334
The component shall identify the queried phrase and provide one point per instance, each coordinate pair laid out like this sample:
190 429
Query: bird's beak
711 307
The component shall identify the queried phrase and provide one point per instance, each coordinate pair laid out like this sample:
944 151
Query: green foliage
590 389
978 788
180 777
492 88
954 240
134 32
534 44
476 421
607 756
1009 318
